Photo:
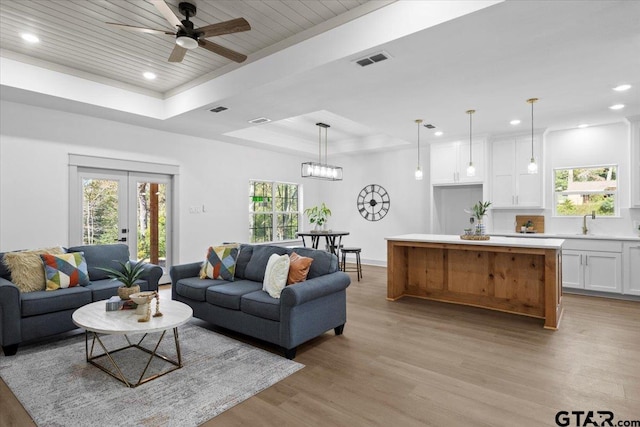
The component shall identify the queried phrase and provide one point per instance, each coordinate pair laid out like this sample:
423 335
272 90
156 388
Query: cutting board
537 220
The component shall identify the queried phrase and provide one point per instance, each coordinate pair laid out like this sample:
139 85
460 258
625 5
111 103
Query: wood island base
512 278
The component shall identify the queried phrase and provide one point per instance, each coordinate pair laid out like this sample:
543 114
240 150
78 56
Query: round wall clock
373 202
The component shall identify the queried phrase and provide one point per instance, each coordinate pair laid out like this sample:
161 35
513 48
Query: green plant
480 209
129 275
318 214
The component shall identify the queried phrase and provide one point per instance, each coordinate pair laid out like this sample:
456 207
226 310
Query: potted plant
318 215
129 275
479 212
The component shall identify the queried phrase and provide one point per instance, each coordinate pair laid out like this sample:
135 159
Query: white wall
595 145
34 148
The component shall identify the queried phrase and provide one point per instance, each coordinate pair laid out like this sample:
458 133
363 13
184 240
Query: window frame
273 212
616 193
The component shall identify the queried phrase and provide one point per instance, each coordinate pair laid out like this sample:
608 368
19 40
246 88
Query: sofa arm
183 271
10 331
152 274
314 288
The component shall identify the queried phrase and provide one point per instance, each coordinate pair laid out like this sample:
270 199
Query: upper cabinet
512 186
635 161
449 163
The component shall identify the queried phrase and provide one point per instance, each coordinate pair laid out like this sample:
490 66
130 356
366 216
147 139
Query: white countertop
566 236
521 242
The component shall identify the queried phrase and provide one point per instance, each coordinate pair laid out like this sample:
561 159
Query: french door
129 207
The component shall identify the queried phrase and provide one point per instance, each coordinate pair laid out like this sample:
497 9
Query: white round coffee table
94 319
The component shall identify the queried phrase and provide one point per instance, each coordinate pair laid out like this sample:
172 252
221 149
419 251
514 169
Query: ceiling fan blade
177 54
227 27
222 51
140 29
166 11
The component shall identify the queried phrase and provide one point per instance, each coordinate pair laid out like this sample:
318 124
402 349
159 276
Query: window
579 191
274 211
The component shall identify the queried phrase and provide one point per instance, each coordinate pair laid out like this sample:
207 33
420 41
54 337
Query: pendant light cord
418 122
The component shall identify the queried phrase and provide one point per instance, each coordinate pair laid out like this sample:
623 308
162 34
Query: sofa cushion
42 302
229 294
243 259
220 262
323 262
26 270
103 256
260 304
259 259
106 288
298 268
65 270
275 275
195 288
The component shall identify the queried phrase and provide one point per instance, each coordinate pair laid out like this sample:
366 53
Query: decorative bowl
142 299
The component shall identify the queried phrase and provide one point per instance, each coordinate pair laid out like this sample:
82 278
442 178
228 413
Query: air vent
429 126
372 59
259 120
218 109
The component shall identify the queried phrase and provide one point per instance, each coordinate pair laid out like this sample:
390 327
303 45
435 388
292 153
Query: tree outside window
579 191
274 211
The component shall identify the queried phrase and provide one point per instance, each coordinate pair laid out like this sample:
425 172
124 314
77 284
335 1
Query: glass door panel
104 206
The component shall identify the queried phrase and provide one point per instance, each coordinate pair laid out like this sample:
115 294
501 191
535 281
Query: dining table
330 236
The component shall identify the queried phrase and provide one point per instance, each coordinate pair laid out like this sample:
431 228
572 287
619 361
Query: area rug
58 387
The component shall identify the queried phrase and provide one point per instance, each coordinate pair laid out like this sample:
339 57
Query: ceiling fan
188 37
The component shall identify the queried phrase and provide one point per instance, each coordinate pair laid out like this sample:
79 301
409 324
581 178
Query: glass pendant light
471 170
418 173
533 167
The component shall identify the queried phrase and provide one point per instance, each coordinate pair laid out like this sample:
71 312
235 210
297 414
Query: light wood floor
420 363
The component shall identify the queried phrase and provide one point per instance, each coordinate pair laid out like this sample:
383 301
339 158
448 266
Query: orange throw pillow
298 268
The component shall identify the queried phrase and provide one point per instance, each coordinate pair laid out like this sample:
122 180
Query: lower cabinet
631 264
592 265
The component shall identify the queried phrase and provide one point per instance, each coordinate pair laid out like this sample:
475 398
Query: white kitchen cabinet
449 163
631 262
635 161
512 186
594 270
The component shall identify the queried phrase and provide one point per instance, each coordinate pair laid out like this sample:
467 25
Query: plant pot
124 292
480 228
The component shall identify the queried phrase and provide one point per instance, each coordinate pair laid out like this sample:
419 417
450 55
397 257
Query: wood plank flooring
422 363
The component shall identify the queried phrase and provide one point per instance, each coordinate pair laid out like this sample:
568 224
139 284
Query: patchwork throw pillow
220 262
298 268
275 276
65 271
26 268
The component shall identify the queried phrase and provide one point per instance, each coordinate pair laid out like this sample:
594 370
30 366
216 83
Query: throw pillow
220 262
65 271
275 276
26 268
298 268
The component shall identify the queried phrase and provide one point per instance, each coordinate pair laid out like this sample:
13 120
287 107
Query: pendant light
533 167
471 170
418 173
321 170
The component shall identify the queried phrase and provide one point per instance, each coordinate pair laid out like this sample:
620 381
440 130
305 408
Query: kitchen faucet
584 221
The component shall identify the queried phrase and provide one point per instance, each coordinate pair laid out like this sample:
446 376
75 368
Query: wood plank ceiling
74 36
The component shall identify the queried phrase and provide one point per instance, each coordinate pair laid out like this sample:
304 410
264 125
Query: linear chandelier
318 169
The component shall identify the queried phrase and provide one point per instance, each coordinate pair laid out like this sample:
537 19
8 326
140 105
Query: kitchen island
515 275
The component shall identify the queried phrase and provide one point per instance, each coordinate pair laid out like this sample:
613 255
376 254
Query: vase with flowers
479 212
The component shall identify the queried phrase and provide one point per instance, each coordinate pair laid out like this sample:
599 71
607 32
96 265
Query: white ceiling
446 58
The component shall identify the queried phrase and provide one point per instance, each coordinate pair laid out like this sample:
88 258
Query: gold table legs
117 373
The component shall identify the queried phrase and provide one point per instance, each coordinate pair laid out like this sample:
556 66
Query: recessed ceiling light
617 107
514 122
29 38
149 75
439 133
583 125
622 88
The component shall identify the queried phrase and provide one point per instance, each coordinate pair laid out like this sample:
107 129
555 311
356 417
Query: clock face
373 202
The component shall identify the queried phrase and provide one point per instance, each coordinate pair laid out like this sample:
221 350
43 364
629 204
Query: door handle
124 239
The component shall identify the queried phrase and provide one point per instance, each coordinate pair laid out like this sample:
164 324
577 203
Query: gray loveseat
32 315
304 310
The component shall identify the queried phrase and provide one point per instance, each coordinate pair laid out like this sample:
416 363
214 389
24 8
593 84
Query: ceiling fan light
187 42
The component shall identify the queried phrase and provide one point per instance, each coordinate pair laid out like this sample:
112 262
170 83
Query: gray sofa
32 315
304 310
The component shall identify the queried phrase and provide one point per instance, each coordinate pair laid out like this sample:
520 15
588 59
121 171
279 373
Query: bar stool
355 251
